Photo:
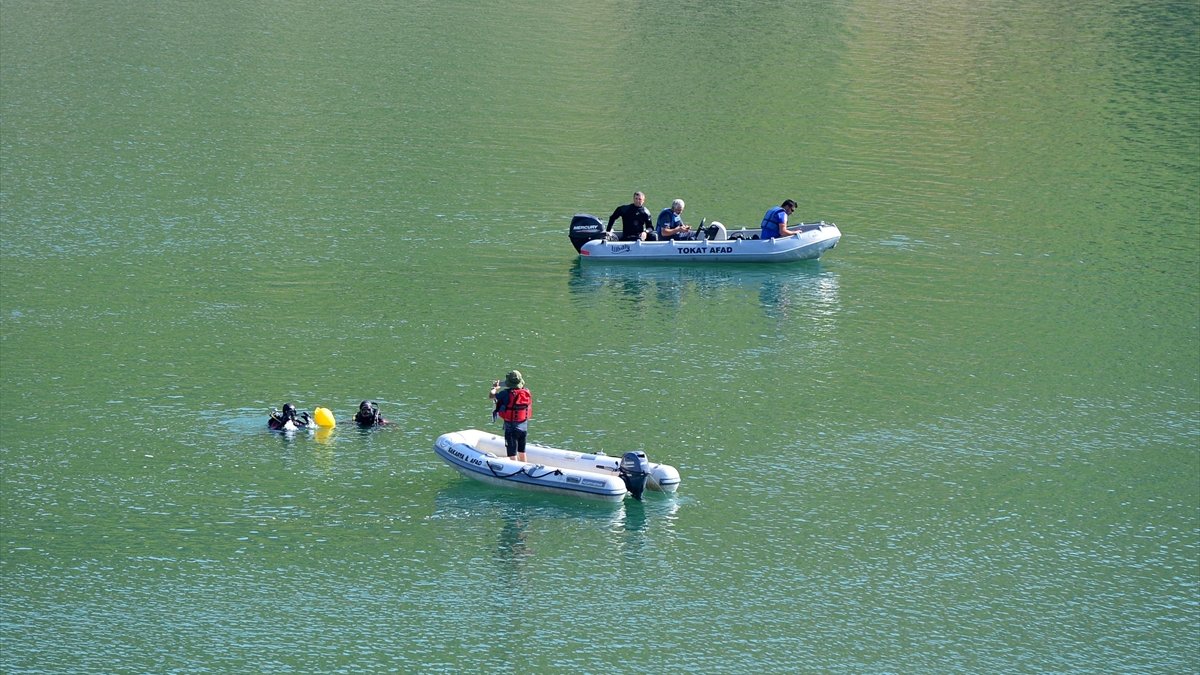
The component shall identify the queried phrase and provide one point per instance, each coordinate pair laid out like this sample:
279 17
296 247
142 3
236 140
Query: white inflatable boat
713 244
481 455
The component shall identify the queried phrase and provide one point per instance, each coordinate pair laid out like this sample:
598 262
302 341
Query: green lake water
965 440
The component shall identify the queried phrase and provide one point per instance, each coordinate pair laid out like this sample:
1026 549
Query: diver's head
289 411
368 413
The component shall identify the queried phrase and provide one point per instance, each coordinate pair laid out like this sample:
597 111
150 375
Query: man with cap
514 405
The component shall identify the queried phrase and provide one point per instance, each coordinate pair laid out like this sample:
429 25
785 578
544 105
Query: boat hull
739 247
480 455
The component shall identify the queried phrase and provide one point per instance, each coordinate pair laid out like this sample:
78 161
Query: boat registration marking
702 250
464 456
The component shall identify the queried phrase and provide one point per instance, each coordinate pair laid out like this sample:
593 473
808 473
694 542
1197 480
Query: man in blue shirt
774 223
670 225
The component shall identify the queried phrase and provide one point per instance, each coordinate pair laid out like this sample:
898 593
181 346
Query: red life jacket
518 408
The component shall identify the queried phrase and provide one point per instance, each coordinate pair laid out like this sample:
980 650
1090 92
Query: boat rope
524 470
549 472
497 474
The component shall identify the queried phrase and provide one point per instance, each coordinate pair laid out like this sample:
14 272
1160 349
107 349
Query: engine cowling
635 468
584 228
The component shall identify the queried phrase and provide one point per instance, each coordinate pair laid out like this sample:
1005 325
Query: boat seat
492 446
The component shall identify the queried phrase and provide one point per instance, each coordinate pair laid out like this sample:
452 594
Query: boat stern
664 477
584 228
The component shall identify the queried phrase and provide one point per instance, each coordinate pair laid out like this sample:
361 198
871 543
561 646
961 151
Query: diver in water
368 415
279 420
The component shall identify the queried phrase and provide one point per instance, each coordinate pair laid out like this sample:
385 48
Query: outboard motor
584 228
635 468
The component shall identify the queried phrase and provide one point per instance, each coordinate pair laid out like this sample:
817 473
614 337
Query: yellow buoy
324 418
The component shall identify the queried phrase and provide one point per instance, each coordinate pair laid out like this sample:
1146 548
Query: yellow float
324 418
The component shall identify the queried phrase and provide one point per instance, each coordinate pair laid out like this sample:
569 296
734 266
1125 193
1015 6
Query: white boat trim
480 455
742 245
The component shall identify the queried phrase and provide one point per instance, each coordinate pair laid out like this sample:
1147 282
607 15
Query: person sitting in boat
514 405
368 415
671 226
278 421
774 223
635 220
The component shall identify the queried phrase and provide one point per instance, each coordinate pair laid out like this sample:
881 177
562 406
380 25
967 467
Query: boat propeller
635 468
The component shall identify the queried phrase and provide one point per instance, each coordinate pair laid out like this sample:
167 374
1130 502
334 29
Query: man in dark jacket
635 219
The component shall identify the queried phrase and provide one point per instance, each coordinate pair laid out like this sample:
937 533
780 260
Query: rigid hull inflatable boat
481 455
712 244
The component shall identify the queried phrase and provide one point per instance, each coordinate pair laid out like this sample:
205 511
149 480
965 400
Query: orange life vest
517 407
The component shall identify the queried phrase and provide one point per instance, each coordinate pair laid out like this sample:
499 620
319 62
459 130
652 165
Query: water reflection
517 517
650 522
513 548
811 294
513 515
782 289
467 497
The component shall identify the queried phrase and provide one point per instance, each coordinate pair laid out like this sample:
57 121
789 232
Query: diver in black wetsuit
278 420
368 415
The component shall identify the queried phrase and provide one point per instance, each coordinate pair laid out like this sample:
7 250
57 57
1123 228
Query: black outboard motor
635 469
584 228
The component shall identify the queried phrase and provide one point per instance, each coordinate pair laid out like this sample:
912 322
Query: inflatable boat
713 243
481 455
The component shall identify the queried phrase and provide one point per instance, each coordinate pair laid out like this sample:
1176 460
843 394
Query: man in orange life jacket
514 405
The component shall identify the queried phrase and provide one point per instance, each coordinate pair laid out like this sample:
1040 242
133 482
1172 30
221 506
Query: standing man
635 219
774 223
670 225
514 405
